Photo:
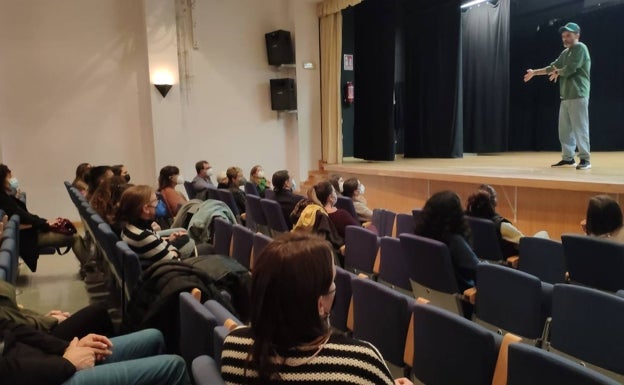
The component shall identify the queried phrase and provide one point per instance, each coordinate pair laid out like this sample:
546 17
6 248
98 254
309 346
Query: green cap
570 27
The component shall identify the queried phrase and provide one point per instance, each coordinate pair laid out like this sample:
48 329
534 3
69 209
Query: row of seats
122 262
239 242
9 248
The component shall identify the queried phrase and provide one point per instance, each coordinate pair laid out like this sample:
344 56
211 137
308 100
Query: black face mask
127 178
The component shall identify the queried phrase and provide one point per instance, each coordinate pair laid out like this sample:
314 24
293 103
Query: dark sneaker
565 163
583 165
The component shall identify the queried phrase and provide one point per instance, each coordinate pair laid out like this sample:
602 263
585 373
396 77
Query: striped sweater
149 247
342 360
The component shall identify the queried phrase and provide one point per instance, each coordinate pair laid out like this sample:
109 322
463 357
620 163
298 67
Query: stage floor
521 169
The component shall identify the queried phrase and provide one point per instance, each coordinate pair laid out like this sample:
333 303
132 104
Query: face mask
361 189
260 174
180 179
340 184
293 185
127 178
209 172
14 183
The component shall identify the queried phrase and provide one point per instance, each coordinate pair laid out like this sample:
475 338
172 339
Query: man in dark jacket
283 186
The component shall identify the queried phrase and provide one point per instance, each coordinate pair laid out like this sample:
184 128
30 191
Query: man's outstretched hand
554 75
529 75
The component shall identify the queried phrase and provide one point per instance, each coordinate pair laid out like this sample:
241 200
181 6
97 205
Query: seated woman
168 179
326 197
257 177
235 181
604 219
79 181
95 176
290 338
122 171
136 213
354 189
35 232
443 220
35 357
105 199
338 182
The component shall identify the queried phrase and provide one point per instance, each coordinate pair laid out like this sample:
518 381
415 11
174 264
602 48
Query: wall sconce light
163 88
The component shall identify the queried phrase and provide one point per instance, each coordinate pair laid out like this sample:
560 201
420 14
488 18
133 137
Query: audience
35 232
283 187
290 337
604 219
202 180
222 180
235 181
35 357
338 183
95 176
256 176
105 199
168 179
327 198
354 189
122 171
443 219
79 181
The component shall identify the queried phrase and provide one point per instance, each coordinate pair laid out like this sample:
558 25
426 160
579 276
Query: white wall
74 88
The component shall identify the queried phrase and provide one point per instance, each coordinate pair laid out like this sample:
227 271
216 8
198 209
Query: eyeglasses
153 206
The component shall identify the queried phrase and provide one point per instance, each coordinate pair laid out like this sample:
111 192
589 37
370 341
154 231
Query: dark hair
291 274
95 176
164 179
105 199
200 165
442 217
604 215
350 186
132 202
117 169
493 195
279 179
81 171
479 204
4 172
322 191
333 179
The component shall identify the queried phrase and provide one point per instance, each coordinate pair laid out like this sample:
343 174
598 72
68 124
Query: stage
532 194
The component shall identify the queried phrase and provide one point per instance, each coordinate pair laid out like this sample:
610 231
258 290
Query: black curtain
375 29
535 42
485 56
433 88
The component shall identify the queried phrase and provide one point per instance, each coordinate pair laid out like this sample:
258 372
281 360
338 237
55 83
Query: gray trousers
574 128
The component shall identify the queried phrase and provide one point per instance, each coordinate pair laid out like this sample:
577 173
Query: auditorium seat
131 267
342 301
197 325
383 220
361 247
485 241
392 269
255 214
227 197
222 236
251 189
274 216
190 190
242 243
542 258
346 204
405 224
269 194
205 371
260 241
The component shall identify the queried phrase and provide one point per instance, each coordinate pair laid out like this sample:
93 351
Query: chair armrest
470 295
513 261
206 372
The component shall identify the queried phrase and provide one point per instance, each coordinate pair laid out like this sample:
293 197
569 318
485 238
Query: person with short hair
290 339
168 179
122 171
235 181
283 185
604 219
95 176
222 180
202 180
354 189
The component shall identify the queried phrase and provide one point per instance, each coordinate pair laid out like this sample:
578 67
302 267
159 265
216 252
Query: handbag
63 226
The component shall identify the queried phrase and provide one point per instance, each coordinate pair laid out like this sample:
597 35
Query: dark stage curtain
485 56
433 109
535 42
375 29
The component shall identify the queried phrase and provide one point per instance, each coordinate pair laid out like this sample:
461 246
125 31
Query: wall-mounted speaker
279 48
283 94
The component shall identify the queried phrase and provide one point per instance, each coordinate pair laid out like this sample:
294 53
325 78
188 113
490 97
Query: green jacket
574 65
10 311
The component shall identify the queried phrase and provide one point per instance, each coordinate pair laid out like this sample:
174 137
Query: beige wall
76 87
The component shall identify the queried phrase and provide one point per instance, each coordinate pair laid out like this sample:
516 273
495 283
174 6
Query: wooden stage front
532 194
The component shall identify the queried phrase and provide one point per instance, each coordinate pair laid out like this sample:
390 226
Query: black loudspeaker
279 48
283 94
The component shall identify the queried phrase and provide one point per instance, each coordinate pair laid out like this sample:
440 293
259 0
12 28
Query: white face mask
361 188
293 185
180 179
210 172
340 184
260 174
14 183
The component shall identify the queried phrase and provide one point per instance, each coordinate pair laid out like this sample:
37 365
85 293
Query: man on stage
572 69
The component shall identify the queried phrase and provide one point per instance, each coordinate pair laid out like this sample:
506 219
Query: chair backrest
587 324
254 210
361 247
405 224
542 258
383 220
417 215
346 204
260 241
227 197
9 260
190 190
381 317
221 313
274 216
107 240
594 262
449 349
269 194
222 236
530 365
342 301
392 265
196 328
251 189
131 267
212 193
428 263
485 242
242 243
511 300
